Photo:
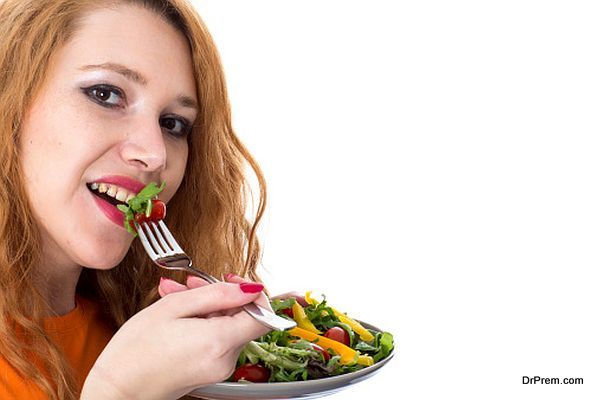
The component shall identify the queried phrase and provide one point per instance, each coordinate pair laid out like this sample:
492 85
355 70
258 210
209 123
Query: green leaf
150 191
141 203
386 345
365 347
278 304
321 315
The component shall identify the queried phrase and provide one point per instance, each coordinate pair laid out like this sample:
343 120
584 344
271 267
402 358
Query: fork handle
261 314
208 278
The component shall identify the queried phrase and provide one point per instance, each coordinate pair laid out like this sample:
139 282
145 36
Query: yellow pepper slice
302 320
348 356
355 325
365 360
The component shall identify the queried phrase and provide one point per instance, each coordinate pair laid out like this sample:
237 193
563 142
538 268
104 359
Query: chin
103 257
103 264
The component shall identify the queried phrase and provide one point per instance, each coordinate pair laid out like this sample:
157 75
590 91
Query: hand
188 338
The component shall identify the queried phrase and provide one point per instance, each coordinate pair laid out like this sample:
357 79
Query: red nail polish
251 287
229 276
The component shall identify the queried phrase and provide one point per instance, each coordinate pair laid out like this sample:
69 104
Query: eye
175 125
105 95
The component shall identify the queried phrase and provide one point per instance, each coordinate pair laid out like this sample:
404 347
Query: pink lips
112 212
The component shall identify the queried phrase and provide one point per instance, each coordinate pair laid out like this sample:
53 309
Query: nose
144 146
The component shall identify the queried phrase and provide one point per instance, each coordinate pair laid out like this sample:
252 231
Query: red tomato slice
288 312
252 373
338 334
326 355
159 210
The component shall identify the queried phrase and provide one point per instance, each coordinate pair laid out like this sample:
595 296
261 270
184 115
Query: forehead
132 36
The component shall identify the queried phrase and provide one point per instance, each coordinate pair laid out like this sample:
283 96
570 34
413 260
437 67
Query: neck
57 286
57 280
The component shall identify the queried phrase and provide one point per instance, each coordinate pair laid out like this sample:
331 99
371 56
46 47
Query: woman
120 93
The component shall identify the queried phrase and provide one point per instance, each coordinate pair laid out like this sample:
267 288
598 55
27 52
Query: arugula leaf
321 315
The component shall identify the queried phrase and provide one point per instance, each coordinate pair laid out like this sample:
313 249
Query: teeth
121 194
117 192
112 190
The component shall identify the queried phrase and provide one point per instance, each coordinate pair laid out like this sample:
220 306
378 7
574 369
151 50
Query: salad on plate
325 343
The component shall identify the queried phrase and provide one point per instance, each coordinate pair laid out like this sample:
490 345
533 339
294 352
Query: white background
433 168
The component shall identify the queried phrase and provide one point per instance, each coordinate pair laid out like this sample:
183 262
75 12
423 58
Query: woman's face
115 109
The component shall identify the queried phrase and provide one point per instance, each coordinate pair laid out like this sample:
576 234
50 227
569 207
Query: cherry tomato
252 373
159 211
288 312
339 334
326 355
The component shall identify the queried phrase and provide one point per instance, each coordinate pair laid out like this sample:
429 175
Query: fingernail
228 276
251 287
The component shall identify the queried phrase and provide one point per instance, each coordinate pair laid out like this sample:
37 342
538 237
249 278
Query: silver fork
165 252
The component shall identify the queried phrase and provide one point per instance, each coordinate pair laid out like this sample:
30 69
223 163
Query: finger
234 278
217 314
195 282
208 299
168 286
240 328
262 301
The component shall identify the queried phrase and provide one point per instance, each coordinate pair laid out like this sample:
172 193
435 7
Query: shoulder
15 386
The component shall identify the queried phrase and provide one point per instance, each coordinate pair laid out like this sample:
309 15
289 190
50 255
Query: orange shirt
82 334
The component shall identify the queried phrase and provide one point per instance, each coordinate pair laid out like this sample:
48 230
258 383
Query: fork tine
145 242
151 226
169 237
152 238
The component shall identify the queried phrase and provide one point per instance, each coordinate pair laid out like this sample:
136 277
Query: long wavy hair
208 212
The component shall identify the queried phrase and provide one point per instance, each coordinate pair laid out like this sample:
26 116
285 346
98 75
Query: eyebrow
184 101
187 102
120 69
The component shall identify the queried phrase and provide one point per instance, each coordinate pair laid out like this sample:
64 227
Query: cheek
177 161
43 151
55 129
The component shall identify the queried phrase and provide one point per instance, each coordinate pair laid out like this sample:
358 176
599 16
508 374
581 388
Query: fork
165 252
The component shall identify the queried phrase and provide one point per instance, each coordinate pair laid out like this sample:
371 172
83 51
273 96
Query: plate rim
264 387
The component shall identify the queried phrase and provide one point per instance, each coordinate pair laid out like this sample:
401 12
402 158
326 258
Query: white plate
310 389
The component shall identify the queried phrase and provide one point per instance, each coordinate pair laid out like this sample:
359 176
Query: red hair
208 211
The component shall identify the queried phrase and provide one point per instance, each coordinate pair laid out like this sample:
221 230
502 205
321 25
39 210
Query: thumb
167 286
